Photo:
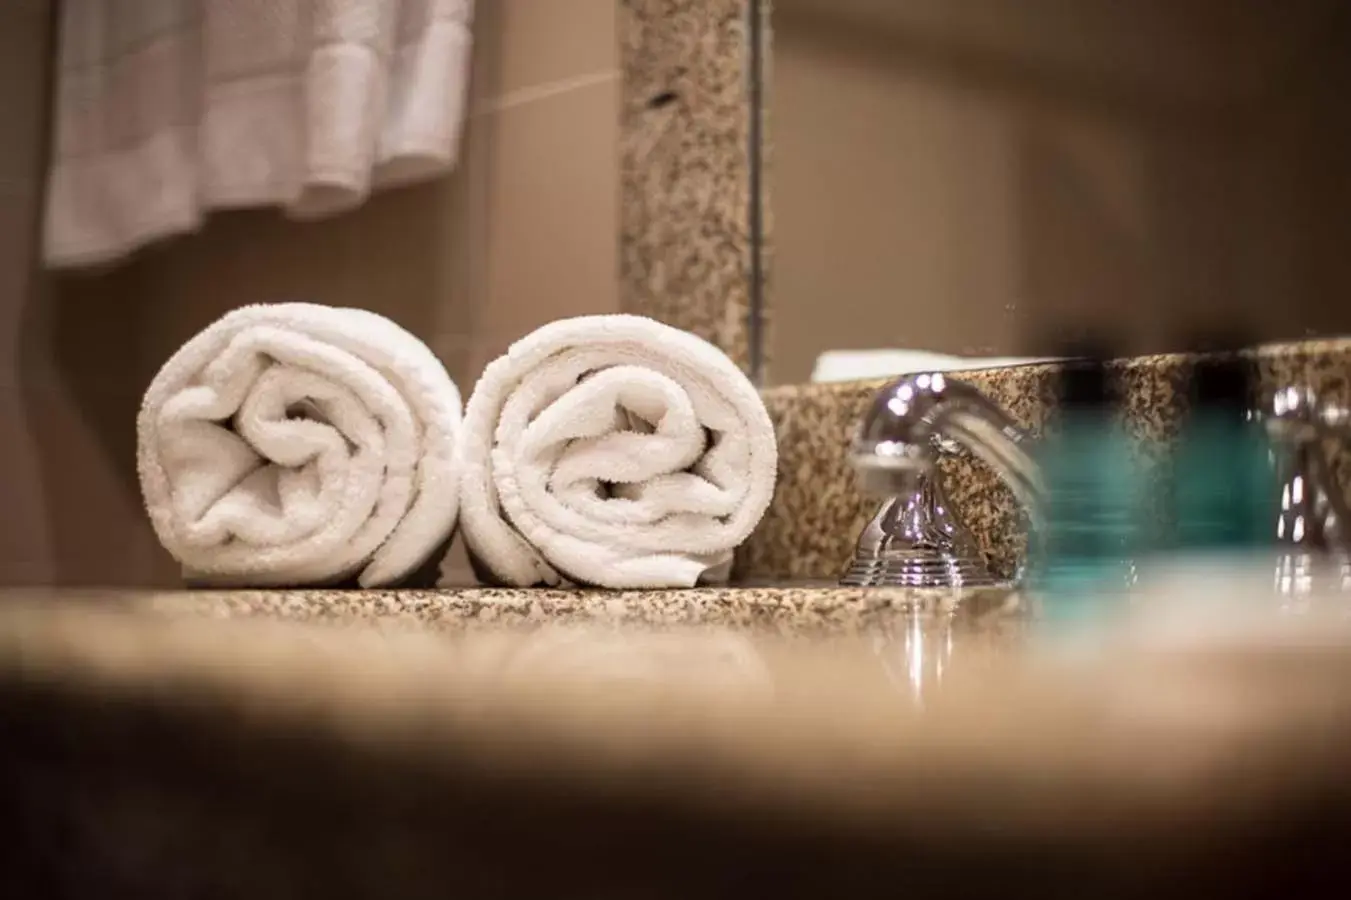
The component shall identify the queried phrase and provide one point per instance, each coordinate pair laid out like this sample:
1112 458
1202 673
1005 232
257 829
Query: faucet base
916 541
919 569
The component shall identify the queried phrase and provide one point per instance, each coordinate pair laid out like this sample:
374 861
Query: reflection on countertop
155 751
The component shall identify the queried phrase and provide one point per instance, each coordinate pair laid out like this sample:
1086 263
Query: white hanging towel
166 109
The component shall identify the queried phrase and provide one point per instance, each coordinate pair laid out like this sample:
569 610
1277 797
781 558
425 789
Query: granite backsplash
817 513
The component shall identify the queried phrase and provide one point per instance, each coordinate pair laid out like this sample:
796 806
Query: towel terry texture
165 109
295 444
613 451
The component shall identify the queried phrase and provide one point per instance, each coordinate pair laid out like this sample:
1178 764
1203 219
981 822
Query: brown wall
522 233
975 176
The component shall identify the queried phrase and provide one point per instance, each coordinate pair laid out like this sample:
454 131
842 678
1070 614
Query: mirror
967 182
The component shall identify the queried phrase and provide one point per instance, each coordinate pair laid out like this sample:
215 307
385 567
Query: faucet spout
915 418
912 421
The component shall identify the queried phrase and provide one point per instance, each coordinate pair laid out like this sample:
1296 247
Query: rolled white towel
298 444
613 451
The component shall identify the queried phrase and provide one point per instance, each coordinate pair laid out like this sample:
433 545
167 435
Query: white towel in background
613 451
300 444
166 109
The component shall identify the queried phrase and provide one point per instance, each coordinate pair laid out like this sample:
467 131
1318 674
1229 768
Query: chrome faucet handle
1312 518
1298 414
916 538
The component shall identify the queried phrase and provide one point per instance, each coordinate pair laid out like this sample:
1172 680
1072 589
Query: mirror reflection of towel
853 365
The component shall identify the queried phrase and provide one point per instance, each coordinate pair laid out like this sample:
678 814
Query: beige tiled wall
524 232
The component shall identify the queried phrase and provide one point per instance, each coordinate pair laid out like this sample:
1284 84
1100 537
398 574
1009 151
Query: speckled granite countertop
802 609
155 755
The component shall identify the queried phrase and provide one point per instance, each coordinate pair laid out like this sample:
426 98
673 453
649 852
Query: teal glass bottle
1083 554
1225 499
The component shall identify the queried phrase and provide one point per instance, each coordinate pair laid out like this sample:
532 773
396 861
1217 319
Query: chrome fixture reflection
917 658
1311 531
916 539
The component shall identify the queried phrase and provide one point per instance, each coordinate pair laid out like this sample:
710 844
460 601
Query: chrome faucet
916 538
1312 521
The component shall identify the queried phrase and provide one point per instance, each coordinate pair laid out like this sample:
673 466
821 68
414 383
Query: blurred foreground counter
154 755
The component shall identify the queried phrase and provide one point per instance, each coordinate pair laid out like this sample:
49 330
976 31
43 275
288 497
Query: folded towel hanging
612 451
166 109
294 444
